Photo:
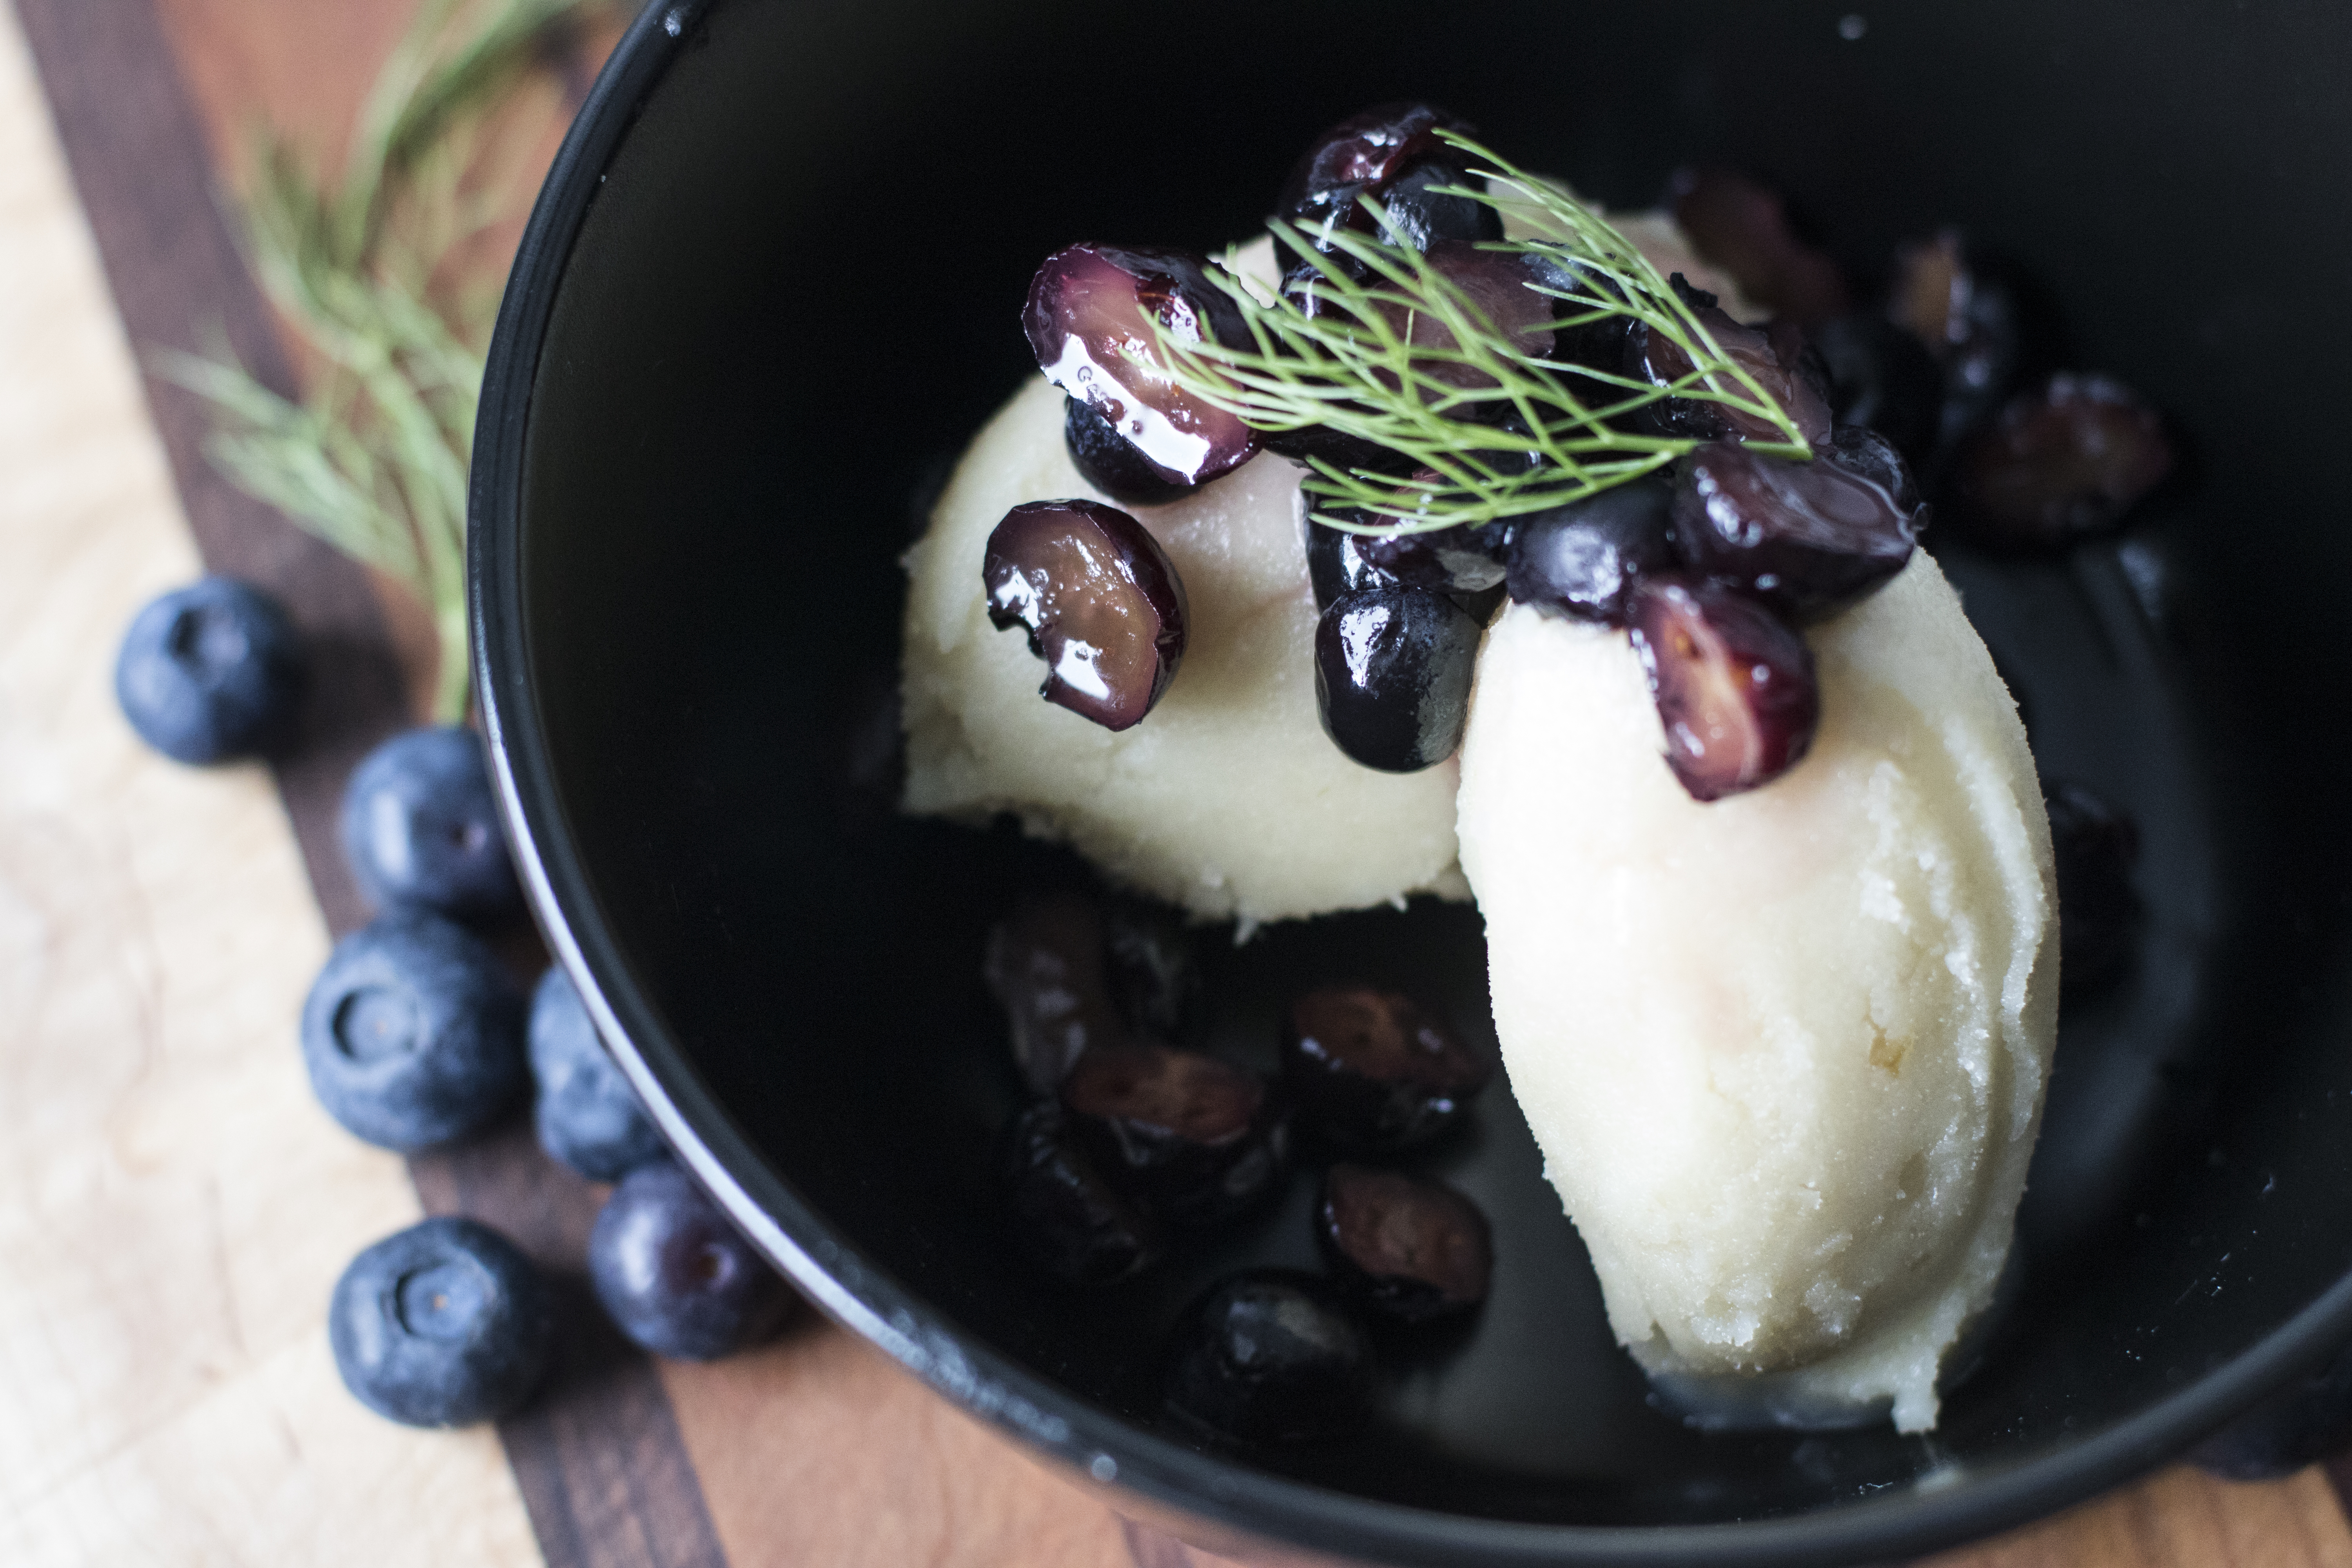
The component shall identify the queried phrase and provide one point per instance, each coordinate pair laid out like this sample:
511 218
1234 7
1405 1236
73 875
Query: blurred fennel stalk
373 459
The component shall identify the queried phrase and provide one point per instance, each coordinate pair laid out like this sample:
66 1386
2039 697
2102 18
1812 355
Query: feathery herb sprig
374 458
1353 368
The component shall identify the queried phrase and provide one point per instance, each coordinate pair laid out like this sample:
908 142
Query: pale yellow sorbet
1784 1053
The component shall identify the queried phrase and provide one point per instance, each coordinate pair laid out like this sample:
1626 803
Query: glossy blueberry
1066 1217
1807 539
586 1113
676 1276
210 672
1108 461
1377 154
1735 684
412 1033
1457 560
1411 1247
420 825
1373 1070
443 1324
1393 671
1582 560
1335 564
1882 377
1655 359
2305 1423
1044 964
1099 599
1195 1138
2095 847
1271 1356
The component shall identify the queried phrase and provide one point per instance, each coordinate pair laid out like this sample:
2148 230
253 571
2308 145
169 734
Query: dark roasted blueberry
1086 323
2309 1421
586 1113
1196 1138
1734 685
676 1276
1743 226
1582 560
1882 377
1271 1356
1044 966
1106 461
443 1324
1371 1070
1100 601
412 1033
1421 215
1653 358
420 825
2067 462
1413 1249
1155 975
1393 669
2095 847
1806 539
1367 155
1066 1217
210 672
1969 319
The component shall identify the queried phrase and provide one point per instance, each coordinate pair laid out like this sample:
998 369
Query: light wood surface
174 1208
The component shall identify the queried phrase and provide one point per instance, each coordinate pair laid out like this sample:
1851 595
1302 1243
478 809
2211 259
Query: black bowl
772 285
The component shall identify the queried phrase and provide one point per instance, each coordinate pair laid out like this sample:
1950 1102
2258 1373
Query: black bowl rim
831 1272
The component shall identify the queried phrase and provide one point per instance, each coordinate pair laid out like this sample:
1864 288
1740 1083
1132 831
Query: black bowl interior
710 427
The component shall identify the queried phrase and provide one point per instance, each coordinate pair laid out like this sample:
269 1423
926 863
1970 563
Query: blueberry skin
210 672
2299 1426
420 825
412 1033
1271 1355
1392 672
586 1113
676 1276
443 1324
1581 560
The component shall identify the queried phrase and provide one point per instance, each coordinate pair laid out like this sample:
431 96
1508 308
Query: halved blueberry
412 1033
1197 1139
1734 684
1066 1217
210 672
587 1114
2061 463
675 1275
443 1324
1371 1069
420 825
1411 1247
1656 358
1099 599
1807 539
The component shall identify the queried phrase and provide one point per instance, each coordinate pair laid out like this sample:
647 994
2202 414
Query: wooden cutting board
175 1208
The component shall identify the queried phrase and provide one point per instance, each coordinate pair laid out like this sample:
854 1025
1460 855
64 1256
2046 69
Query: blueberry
1392 671
1581 560
210 672
443 1324
421 826
1195 1138
1108 461
2298 1427
1271 1356
412 1033
1371 1069
675 1275
587 1115
1411 1247
1066 1217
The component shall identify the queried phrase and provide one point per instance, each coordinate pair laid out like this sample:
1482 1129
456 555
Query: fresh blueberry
2298 1427
421 826
678 1279
443 1324
587 1115
412 1033
210 672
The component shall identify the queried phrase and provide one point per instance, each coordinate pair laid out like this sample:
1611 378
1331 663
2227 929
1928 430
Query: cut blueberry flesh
1659 361
585 1111
210 672
1743 226
1734 685
1044 966
1365 156
1412 1248
443 1324
2095 847
420 826
1108 461
1392 671
1372 1070
1582 560
675 1275
413 1034
1197 1140
1882 377
2061 463
1099 599
2307 1422
1807 539
1154 974
1065 1215
1086 322
1271 1356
